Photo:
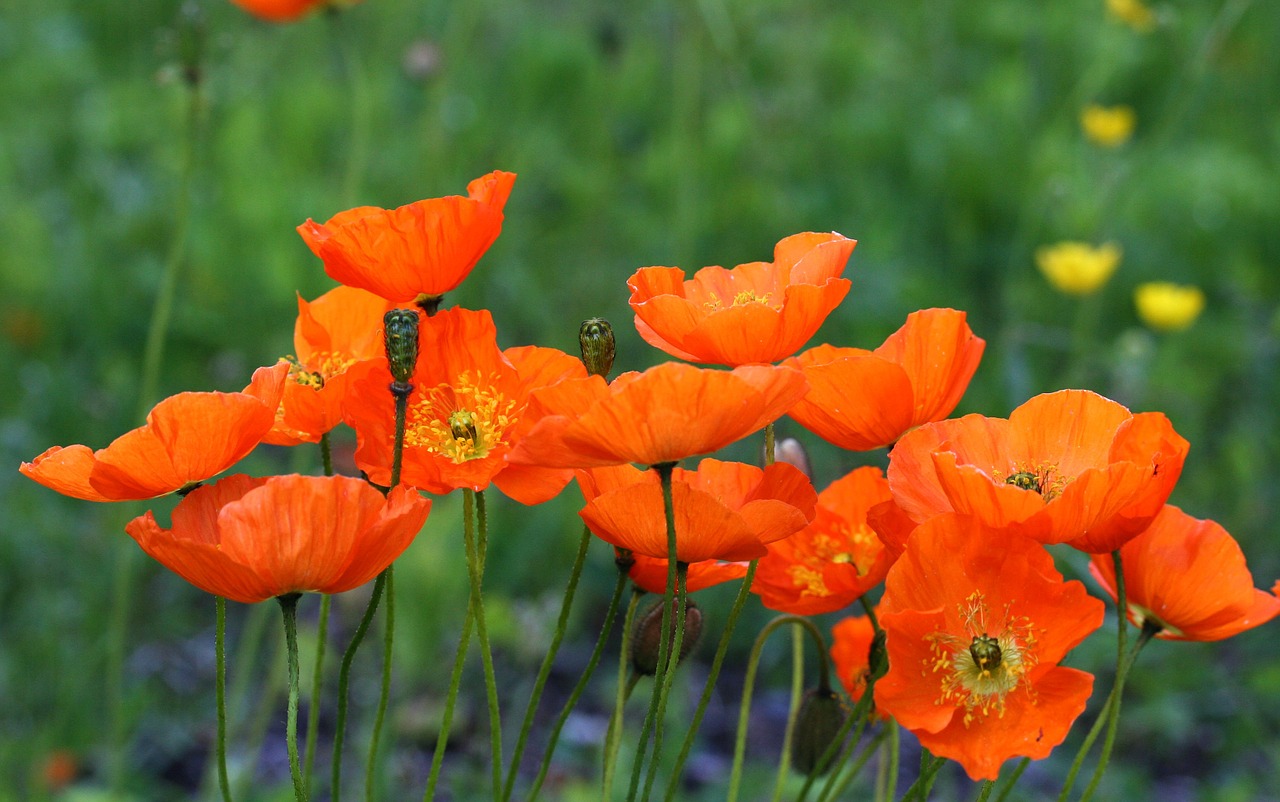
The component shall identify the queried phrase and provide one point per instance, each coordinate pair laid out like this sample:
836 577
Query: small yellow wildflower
1077 268
1164 306
1134 13
1108 126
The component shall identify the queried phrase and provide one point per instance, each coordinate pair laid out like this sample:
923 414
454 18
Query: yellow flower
1134 13
1077 268
1108 126
1168 307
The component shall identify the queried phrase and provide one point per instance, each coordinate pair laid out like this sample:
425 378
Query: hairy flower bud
646 636
596 338
792 452
401 333
821 716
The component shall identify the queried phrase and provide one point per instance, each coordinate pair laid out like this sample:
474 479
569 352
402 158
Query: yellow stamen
462 421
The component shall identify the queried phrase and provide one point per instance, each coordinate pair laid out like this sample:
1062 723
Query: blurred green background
945 137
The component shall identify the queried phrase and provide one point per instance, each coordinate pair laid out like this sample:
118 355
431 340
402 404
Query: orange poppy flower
830 563
664 414
851 653
188 437
465 411
251 539
1188 577
423 249
723 510
282 10
757 312
976 624
333 333
918 375
650 573
1069 466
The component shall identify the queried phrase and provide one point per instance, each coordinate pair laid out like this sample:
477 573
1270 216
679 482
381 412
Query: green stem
673 658
612 739
770 447
857 721
605 629
1013 779
344 681
895 756
220 693
326 454
793 710
475 568
455 681
289 607
834 790
317 682
929 767
544 671
384 691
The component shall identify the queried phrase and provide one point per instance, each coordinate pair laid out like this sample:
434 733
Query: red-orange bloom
650 573
333 333
424 248
278 10
834 560
851 653
664 414
465 412
188 437
860 400
756 312
1069 466
250 539
976 625
1188 577
723 510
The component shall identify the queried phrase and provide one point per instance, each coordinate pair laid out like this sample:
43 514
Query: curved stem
289 607
455 681
610 614
220 693
317 681
384 691
611 739
544 671
473 501
793 710
344 679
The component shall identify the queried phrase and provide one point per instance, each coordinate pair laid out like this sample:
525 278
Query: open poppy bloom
251 539
650 573
423 249
1188 577
723 510
333 333
918 375
754 313
1066 467
830 563
188 437
664 414
465 411
976 624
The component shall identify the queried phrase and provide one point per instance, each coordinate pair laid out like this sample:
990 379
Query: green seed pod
401 339
646 636
821 716
598 348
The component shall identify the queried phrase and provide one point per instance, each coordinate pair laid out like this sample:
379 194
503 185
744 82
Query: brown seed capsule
646 636
821 716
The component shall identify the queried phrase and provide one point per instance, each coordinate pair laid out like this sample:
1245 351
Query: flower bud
401 338
821 716
792 452
646 636
596 338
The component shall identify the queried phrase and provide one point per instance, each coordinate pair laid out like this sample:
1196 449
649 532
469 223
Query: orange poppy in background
251 539
851 653
280 10
861 400
333 333
465 411
1069 466
723 510
976 624
1189 578
756 312
830 563
650 573
664 414
423 249
188 437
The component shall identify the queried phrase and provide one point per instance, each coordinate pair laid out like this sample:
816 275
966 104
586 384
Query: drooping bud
598 348
821 716
400 328
792 452
646 636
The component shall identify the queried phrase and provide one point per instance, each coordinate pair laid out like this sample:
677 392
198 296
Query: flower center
715 303
1044 480
462 421
857 547
979 669
322 366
